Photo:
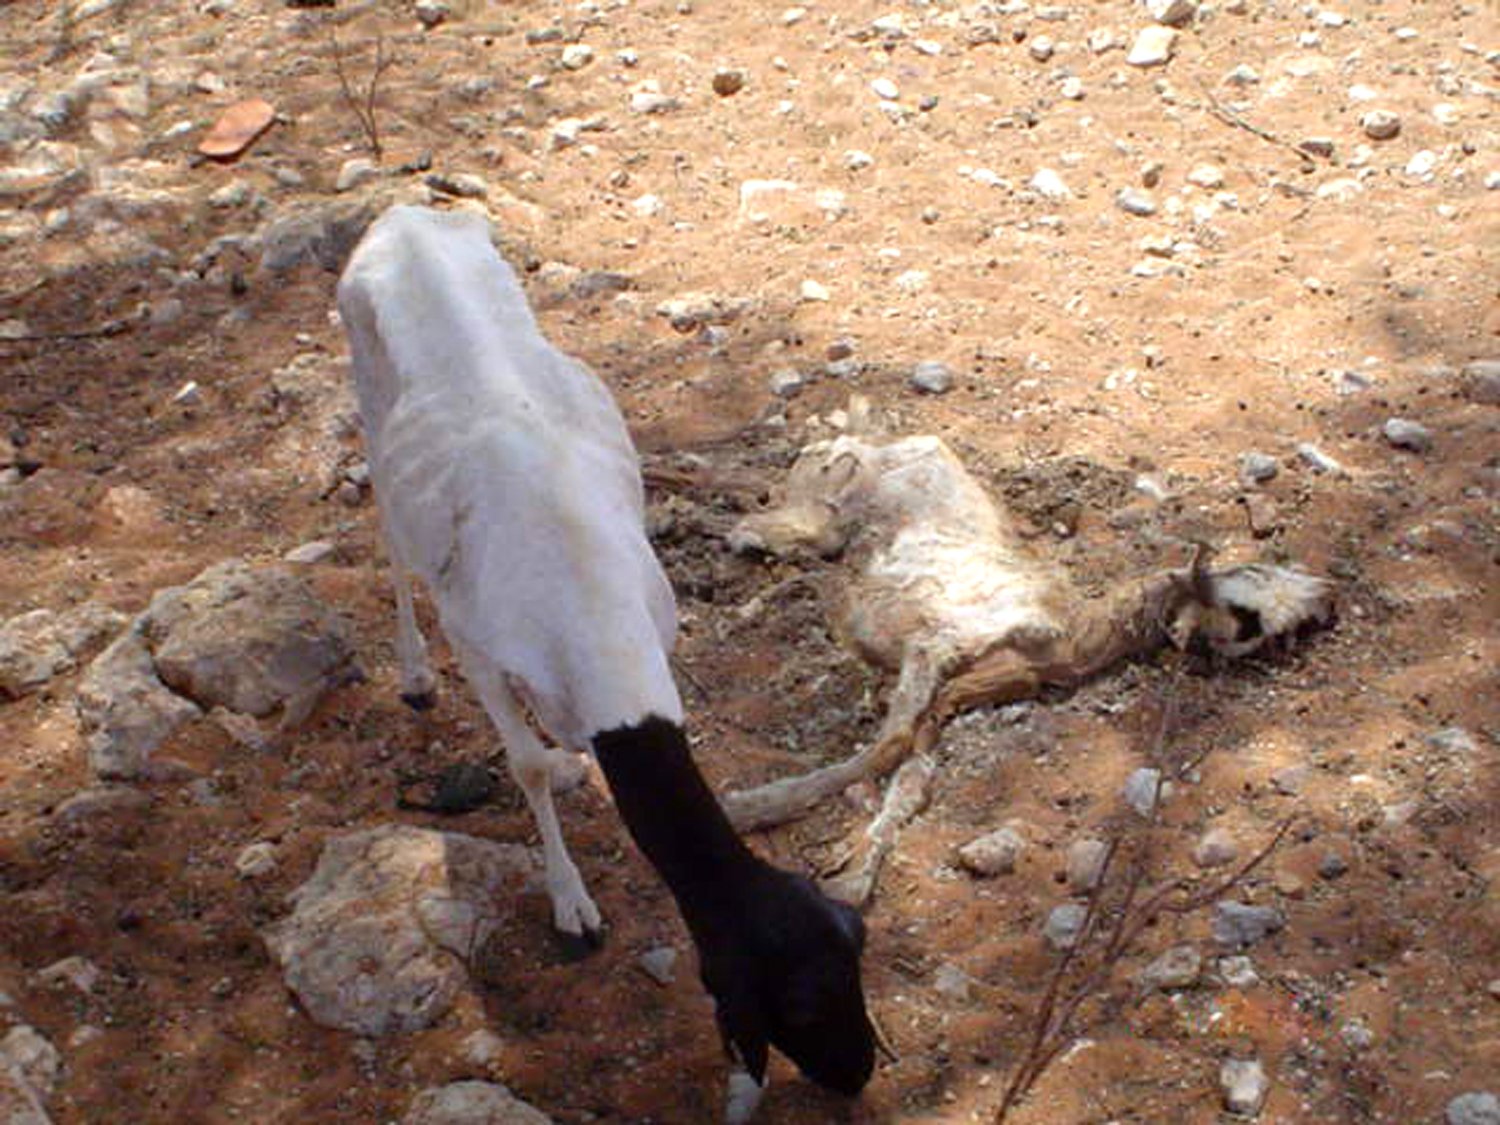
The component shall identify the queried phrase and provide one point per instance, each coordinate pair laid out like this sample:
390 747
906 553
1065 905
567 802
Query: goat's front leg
533 766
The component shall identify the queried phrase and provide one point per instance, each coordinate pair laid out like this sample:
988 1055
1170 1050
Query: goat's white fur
507 482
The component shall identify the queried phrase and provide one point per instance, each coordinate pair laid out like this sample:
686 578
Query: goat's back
505 476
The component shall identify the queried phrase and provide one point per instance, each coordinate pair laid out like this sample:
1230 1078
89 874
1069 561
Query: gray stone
1064 925
1238 972
125 709
1480 381
1049 185
1178 967
1481 1108
1315 459
28 1055
1245 1086
952 982
1142 790
432 13
1085 864
931 377
994 853
1153 46
355 172
252 638
1452 740
36 646
787 382
1406 434
1133 201
1173 13
472 1103
1239 924
379 937
1380 124
660 964
1258 468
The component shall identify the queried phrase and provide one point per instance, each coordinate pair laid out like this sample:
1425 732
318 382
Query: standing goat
506 482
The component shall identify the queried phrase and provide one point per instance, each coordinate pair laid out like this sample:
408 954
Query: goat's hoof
580 946
420 700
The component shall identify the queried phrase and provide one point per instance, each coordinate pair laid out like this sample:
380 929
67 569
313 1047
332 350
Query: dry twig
1052 1031
1219 110
363 108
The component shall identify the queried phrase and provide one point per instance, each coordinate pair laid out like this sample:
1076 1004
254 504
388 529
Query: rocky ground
1157 272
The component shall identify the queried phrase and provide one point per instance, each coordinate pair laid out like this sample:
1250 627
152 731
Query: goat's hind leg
418 684
533 765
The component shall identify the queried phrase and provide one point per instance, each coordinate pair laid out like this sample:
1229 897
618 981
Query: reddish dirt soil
1074 377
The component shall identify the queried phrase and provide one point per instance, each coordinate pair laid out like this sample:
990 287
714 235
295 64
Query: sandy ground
1319 298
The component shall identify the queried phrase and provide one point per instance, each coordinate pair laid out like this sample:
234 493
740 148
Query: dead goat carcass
950 598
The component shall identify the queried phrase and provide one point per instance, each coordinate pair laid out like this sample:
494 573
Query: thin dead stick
1217 109
363 110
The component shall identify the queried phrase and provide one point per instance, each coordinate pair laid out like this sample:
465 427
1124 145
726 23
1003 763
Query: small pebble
1135 202
1064 925
354 172
189 394
1243 75
1085 864
482 1048
576 56
952 982
1317 460
1380 124
1240 924
1209 176
1216 848
886 89
931 377
1258 468
1173 13
1238 972
1357 1035
1481 1108
1049 185
814 291
1480 381
856 160
1153 46
1178 967
787 382
728 82
1041 48
1406 434
660 964
1245 1086
994 853
1143 788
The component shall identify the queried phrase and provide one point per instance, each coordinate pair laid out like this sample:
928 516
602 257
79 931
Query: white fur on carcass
508 484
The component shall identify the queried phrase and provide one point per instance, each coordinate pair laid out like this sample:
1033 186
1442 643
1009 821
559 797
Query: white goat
507 482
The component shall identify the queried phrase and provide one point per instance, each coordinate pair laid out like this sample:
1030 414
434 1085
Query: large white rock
1153 46
471 1103
380 935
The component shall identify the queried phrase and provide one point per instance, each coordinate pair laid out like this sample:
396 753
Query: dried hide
949 597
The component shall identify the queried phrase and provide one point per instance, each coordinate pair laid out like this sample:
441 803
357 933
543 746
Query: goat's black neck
673 815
